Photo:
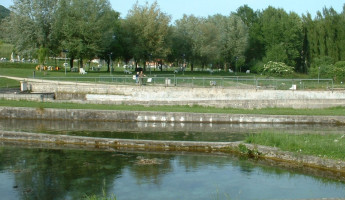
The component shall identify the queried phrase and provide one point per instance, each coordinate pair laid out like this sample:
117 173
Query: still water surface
162 131
43 173
69 173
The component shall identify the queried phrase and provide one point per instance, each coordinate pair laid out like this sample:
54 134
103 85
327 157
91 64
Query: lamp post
236 65
150 62
318 76
110 67
184 63
111 53
65 64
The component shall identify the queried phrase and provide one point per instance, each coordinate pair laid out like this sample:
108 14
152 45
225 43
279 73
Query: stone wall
219 97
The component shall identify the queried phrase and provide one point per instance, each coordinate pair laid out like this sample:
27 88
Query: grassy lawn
337 111
328 146
26 70
9 83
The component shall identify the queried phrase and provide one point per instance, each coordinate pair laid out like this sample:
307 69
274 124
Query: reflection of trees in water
142 128
56 174
64 174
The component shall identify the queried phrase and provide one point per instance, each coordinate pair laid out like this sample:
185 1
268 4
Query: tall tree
85 27
233 39
4 12
283 36
150 28
29 25
187 29
256 50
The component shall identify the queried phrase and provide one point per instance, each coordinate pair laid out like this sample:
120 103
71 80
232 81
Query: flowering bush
277 68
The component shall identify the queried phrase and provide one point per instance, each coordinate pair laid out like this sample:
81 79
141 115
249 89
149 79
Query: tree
4 12
256 49
180 45
284 32
233 39
187 29
29 26
149 28
324 37
85 27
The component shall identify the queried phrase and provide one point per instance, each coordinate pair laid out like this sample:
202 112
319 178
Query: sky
204 8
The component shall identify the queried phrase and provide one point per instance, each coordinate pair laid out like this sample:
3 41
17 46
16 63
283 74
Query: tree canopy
246 38
4 12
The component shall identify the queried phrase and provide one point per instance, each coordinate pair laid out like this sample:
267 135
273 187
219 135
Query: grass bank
8 83
330 146
336 111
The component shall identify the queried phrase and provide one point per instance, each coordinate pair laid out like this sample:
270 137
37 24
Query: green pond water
160 131
37 171
53 173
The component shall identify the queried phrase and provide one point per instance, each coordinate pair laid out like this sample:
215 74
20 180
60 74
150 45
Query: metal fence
238 82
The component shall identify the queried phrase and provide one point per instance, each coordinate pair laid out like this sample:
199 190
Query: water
53 173
161 131
40 171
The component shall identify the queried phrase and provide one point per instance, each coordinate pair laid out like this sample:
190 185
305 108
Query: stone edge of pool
258 151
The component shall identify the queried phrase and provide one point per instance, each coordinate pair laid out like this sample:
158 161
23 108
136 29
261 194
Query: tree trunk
71 62
80 63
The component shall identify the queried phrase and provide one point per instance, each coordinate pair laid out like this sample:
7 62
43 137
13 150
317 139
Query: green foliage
6 50
42 55
327 146
244 150
245 37
339 71
276 53
277 68
4 12
282 36
30 25
84 34
149 28
324 68
257 66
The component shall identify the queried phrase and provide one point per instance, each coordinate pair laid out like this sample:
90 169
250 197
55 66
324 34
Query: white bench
82 71
127 72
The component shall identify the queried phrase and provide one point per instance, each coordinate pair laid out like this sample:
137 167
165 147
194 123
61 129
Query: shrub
256 67
334 71
339 71
277 68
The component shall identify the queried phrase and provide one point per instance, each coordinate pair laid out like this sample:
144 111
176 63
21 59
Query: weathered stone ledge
269 153
169 117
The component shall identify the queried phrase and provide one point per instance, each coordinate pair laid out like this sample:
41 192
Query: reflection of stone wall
159 117
147 127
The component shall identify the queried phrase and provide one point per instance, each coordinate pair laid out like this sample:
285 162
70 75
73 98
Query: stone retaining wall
28 97
216 96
